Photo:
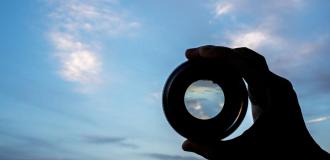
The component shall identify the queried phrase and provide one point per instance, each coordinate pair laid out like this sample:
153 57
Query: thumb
189 146
202 150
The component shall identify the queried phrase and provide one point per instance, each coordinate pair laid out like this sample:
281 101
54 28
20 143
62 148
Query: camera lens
204 99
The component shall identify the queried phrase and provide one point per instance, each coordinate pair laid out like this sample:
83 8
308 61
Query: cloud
252 39
203 108
203 87
77 26
18 145
318 120
222 8
31 147
294 54
27 140
97 16
262 30
255 36
196 108
204 99
161 156
239 7
323 81
266 33
78 62
154 97
9 152
102 140
290 49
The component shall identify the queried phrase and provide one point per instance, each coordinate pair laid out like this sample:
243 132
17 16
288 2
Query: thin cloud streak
103 140
318 120
161 156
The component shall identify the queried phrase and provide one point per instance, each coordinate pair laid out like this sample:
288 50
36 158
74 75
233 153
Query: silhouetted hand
279 131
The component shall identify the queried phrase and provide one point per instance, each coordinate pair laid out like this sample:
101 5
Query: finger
252 65
196 148
192 53
191 147
216 149
208 52
255 72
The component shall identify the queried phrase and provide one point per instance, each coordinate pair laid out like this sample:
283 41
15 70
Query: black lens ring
218 127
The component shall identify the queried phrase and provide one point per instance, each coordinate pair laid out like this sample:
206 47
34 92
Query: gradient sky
82 80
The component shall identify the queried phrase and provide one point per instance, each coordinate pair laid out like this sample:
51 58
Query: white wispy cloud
154 97
76 27
202 89
78 62
318 120
95 16
255 36
196 109
263 34
252 39
297 53
222 8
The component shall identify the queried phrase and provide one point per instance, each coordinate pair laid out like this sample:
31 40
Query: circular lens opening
204 99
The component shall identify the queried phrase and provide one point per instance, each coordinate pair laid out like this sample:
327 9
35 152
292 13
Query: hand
278 131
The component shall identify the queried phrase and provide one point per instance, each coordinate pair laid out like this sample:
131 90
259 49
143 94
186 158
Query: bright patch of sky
83 79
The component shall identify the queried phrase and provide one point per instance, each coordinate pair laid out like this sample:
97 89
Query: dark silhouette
279 131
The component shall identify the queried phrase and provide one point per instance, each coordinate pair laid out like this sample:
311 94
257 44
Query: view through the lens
204 99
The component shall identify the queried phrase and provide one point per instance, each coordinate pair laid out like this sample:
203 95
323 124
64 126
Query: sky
83 80
204 99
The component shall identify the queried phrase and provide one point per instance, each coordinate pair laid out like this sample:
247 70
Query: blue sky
83 79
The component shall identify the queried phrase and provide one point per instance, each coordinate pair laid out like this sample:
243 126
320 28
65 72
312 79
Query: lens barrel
218 127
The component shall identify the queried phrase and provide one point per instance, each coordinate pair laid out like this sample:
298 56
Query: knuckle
250 54
283 81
